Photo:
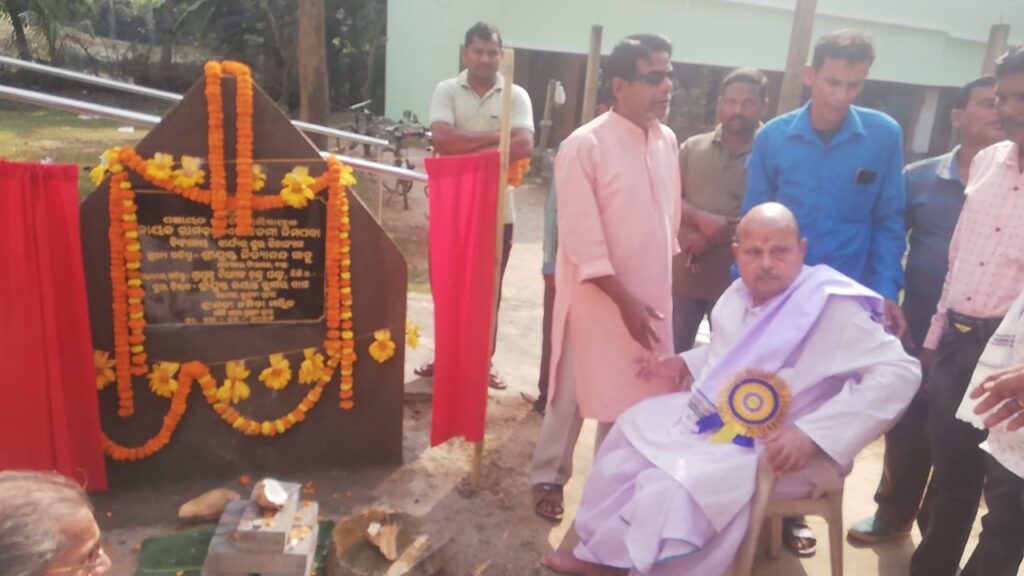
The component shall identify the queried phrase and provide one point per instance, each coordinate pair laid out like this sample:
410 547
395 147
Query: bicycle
398 133
366 123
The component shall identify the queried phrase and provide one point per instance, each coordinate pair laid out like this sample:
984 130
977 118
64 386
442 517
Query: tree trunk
165 26
51 30
19 31
312 59
371 60
282 61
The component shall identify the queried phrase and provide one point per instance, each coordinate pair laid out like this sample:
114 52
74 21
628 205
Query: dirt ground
495 532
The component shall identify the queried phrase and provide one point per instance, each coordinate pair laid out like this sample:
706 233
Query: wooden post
998 40
593 75
508 62
799 45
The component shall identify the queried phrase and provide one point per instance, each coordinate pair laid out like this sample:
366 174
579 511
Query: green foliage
147 40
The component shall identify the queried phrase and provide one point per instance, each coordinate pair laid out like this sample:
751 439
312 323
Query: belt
964 323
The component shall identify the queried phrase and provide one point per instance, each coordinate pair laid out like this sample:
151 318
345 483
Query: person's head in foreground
837 74
769 251
47 527
1010 94
639 74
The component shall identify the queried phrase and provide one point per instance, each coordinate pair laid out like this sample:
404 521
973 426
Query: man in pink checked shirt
986 273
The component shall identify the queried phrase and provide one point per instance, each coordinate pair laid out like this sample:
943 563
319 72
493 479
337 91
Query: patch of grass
30 134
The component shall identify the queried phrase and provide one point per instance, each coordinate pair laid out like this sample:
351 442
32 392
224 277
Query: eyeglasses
92 561
653 77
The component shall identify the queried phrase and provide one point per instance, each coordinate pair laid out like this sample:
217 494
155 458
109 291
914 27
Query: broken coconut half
269 494
384 537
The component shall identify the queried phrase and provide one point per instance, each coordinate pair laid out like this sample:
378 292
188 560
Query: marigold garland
340 342
243 146
128 296
128 293
215 148
252 427
126 288
170 423
516 171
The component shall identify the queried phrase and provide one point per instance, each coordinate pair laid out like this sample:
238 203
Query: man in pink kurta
618 217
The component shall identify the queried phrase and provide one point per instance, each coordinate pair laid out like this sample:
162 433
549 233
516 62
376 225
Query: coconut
269 494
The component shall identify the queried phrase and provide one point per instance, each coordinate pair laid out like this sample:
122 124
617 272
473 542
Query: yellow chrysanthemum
312 368
108 159
412 335
348 178
111 155
383 348
190 173
161 378
279 374
259 177
98 173
160 167
104 369
234 389
297 191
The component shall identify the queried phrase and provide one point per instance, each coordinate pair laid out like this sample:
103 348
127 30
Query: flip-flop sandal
425 371
547 501
795 532
494 380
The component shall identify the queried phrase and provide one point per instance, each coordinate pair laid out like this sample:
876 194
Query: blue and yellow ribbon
753 405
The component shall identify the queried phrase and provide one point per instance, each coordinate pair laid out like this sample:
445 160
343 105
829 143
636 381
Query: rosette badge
753 405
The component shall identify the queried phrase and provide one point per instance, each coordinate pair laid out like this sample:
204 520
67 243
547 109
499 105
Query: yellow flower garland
128 293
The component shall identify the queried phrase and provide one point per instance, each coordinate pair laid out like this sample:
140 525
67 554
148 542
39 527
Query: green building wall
921 42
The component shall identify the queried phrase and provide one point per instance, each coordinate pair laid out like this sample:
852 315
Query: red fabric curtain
49 416
463 233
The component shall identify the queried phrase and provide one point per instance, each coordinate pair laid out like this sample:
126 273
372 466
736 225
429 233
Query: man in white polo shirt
465 117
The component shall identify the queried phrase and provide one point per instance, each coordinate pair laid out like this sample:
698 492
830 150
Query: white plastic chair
828 506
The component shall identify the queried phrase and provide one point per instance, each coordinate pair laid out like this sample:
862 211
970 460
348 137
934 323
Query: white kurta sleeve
879 381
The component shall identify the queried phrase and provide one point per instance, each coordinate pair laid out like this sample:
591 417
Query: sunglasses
654 77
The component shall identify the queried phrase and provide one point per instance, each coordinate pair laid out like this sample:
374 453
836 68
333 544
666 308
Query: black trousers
963 472
545 346
906 467
506 250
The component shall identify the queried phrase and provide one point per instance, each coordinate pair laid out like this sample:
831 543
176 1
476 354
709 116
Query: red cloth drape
49 415
463 233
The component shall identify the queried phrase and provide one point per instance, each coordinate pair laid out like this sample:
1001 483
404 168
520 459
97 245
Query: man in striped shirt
986 272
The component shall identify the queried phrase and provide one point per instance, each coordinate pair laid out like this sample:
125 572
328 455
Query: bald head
770 215
769 251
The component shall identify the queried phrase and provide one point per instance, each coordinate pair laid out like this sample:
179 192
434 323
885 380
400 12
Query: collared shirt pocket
857 192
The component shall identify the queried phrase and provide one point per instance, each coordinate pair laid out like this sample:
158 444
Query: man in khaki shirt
713 167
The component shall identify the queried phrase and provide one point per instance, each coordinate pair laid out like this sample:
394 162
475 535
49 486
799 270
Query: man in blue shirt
935 196
839 169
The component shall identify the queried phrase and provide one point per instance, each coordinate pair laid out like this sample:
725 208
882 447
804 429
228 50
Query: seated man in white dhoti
799 371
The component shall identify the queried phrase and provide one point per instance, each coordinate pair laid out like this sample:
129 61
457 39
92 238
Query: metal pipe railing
78 106
172 97
150 120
